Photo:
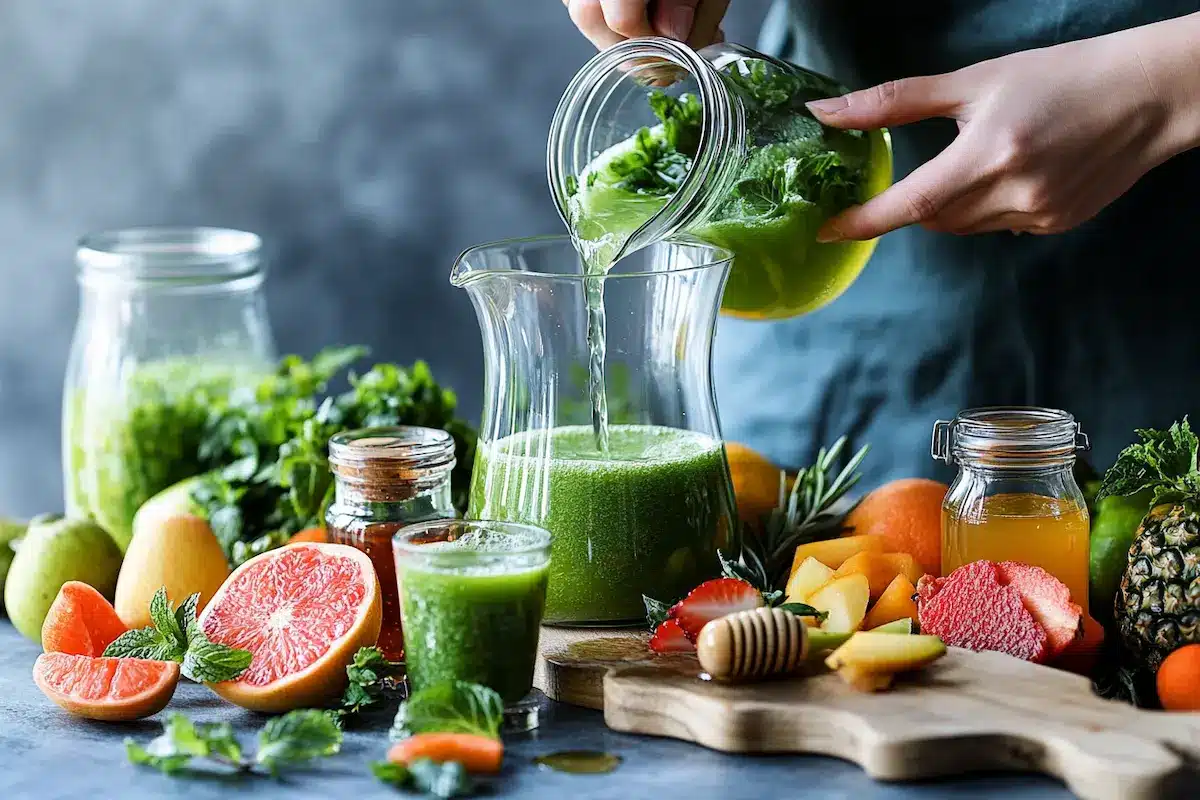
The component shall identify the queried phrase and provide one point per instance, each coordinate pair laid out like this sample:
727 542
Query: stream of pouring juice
1046 532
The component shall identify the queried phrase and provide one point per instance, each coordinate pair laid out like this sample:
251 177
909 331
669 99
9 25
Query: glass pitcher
652 138
171 320
648 516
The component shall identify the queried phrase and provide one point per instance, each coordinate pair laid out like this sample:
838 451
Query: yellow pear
175 550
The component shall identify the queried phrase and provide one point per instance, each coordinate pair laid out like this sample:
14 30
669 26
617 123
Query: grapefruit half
303 610
80 622
107 689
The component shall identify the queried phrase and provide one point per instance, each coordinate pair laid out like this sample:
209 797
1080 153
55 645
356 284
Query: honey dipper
753 644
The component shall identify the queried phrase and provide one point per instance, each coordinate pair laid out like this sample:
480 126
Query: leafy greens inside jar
728 153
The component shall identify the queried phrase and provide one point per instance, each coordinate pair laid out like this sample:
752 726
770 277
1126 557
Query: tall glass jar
762 174
171 321
1015 497
384 479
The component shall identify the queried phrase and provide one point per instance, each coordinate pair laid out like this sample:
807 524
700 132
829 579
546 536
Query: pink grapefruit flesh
303 610
107 689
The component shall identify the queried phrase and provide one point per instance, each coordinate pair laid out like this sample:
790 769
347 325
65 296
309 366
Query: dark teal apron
1101 321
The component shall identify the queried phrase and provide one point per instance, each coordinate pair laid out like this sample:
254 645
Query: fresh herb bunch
806 514
177 636
1163 461
267 450
290 740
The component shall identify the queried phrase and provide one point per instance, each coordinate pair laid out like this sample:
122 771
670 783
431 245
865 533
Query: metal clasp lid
1082 442
939 448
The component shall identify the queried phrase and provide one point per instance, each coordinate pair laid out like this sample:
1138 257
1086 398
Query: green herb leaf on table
445 780
289 740
296 738
369 677
452 707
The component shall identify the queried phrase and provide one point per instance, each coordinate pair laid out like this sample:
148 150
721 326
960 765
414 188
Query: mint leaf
445 780
145 643
210 662
185 615
168 765
297 737
453 707
182 740
164 619
369 675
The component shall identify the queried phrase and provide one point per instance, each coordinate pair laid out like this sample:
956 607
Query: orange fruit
302 610
319 535
907 514
80 622
755 483
1178 679
107 689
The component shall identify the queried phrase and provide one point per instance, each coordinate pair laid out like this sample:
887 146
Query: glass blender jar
652 138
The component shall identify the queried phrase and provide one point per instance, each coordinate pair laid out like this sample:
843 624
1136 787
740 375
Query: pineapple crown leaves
806 514
1164 461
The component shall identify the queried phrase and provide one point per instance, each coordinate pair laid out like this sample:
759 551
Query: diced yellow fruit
869 651
877 567
806 579
866 681
904 564
832 552
845 600
900 626
895 603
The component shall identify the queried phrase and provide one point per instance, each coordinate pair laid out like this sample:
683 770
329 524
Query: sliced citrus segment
108 689
80 622
302 610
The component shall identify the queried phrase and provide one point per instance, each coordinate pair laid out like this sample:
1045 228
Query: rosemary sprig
803 515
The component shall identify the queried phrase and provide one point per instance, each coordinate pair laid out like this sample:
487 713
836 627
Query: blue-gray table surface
46 754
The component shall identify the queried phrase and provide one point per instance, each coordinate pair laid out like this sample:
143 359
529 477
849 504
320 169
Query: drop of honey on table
579 762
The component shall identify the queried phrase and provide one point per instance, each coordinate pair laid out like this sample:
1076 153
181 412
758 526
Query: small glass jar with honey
1015 497
387 478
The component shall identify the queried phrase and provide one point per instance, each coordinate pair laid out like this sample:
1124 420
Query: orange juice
1046 532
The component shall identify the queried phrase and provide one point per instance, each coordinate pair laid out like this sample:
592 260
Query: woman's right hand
606 22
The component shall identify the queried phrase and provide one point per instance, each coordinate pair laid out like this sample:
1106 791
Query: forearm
1168 53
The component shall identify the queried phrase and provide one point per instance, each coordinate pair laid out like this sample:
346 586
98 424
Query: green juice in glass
646 518
471 608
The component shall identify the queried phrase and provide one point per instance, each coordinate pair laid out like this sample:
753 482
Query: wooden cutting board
968 712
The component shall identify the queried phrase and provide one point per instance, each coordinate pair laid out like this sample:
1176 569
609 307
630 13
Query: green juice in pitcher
645 518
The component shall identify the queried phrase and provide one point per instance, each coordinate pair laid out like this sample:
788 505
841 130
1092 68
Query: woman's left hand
1047 138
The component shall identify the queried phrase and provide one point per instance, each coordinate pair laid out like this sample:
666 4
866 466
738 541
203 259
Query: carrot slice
476 753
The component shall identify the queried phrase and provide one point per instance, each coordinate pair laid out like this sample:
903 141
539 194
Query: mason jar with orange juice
1015 497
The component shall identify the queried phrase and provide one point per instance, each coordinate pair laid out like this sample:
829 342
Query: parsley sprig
177 636
372 677
286 741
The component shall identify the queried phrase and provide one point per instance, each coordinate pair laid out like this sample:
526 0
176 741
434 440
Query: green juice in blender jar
645 518
472 623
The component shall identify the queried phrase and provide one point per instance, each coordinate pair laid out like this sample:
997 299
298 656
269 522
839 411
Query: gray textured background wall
368 141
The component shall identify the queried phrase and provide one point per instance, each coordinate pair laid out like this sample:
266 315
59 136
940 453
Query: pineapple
1157 608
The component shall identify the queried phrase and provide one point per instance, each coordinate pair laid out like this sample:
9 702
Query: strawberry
669 638
713 599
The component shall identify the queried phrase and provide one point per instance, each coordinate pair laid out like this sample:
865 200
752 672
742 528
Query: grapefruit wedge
107 689
80 622
303 610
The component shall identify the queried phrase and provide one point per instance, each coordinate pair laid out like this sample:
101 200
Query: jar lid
393 453
1008 435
